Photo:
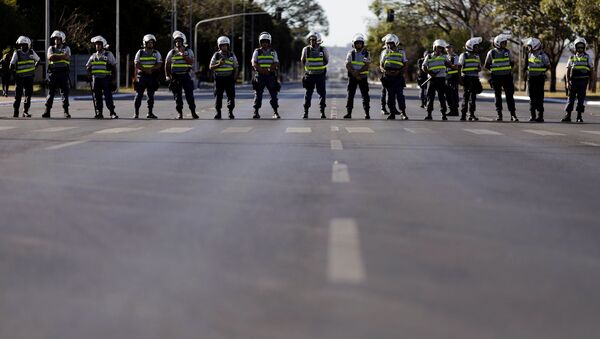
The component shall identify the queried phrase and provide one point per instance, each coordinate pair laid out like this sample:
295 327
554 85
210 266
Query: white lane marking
4 128
592 132
339 173
55 129
359 130
540 132
118 130
72 143
175 130
590 144
482 131
237 130
298 130
336 145
420 130
487 119
335 129
345 264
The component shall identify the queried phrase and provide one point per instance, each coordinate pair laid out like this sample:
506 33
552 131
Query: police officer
422 80
537 65
392 63
579 69
102 67
265 63
452 79
470 65
384 93
59 56
357 64
148 62
225 66
178 66
500 64
23 63
435 64
315 59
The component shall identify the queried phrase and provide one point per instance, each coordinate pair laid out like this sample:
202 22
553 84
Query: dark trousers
5 82
423 93
505 82
535 88
101 87
363 85
58 81
183 84
395 89
470 85
24 84
310 82
270 83
577 91
145 84
384 99
225 85
436 85
452 95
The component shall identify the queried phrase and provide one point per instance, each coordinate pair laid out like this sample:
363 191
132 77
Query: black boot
26 114
579 118
540 117
218 115
99 115
276 115
348 113
367 114
566 118
403 115
231 116
513 117
113 115
533 117
428 116
136 115
67 115
256 115
384 111
151 115
472 117
194 115
392 116
46 113
323 116
499 118
463 116
16 113
444 116
179 114
305 116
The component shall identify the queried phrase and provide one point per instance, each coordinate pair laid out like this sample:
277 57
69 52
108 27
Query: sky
346 18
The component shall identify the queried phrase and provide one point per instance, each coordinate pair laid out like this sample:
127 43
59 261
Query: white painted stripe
540 132
345 264
298 130
336 145
339 173
237 130
359 130
487 119
590 144
482 131
592 132
119 130
335 129
55 129
4 128
176 130
420 130
72 143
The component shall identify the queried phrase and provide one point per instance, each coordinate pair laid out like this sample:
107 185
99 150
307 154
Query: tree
301 16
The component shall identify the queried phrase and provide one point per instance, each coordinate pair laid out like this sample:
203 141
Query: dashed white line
298 130
482 131
592 132
72 143
339 173
359 130
345 264
4 128
176 130
590 143
55 129
118 130
336 145
541 132
237 130
335 129
420 130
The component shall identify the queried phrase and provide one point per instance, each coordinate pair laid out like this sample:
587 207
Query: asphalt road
298 229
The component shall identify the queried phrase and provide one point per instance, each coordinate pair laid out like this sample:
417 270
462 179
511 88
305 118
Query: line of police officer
440 72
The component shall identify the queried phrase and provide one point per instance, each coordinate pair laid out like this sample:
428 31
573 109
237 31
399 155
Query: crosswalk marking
176 130
55 129
336 145
67 144
237 130
592 132
420 130
482 131
541 132
339 173
344 260
298 130
335 129
359 130
4 128
118 130
590 143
